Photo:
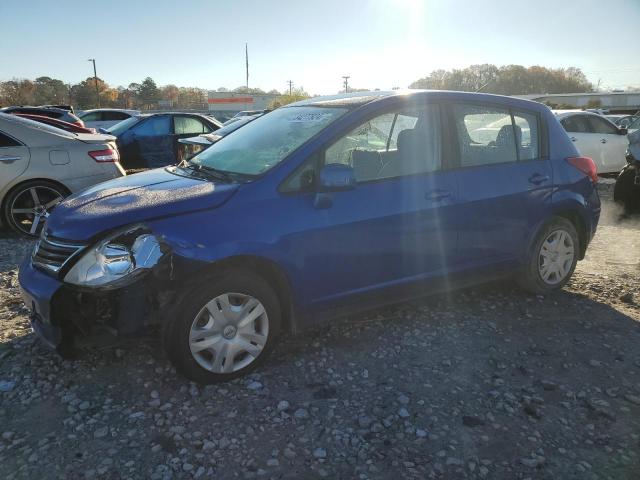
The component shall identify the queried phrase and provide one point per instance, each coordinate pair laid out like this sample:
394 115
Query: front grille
52 255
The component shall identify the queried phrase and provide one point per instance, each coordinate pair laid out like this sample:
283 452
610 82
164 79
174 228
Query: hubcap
31 207
556 257
229 332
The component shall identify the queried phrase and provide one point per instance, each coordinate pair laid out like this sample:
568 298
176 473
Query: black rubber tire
8 200
529 278
626 193
176 330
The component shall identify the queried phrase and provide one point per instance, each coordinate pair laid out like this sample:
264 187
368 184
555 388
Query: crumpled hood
133 199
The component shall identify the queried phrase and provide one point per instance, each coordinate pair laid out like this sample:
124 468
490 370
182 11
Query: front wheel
225 329
27 206
553 257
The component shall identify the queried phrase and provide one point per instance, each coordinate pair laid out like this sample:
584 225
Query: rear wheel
224 330
553 257
27 206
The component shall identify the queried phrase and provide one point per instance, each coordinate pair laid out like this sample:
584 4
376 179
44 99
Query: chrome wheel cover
556 257
31 207
229 333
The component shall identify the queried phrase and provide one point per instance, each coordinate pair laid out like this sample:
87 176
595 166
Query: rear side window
114 116
92 117
189 125
7 141
527 140
154 126
576 124
485 135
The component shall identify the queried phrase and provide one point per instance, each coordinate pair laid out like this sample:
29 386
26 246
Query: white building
224 105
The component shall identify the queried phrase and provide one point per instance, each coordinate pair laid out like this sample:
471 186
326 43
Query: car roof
126 110
561 114
356 99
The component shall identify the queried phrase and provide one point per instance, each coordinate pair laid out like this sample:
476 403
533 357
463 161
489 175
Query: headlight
115 258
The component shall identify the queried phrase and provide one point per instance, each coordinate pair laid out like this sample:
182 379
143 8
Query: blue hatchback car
317 209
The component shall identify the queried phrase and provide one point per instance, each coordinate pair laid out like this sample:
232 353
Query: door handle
437 195
573 139
538 178
604 140
9 159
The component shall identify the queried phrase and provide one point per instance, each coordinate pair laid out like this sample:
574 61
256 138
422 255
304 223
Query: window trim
456 158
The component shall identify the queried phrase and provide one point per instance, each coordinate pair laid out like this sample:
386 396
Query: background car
54 122
191 146
621 120
151 140
41 165
634 124
105 117
598 138
249 113
53 112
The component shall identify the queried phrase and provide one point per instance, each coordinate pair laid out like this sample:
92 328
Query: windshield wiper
207 171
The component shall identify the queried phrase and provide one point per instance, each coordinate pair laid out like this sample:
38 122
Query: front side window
266 141
576 124
485 135
153 126
600 125
406 142
189 125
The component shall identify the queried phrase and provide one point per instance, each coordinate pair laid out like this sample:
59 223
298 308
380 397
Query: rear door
582 135
185 126
153 142
504 180
14 159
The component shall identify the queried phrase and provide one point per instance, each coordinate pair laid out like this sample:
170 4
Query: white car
105 117
598 138
41 164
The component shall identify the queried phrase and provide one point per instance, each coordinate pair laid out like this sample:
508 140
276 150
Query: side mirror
623 130
336 177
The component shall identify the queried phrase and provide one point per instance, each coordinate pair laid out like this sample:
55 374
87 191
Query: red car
69 127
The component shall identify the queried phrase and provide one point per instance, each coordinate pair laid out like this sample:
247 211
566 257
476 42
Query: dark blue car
317 209
151 140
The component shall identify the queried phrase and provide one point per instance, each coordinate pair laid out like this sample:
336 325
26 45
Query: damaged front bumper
64 315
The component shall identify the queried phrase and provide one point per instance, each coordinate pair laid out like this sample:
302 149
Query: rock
254 386
301 414
224 442
273 462
7 385
320 453
627 298
529 462
364 421
187 467
283 405
403 413
454 461
289 453
101 432
549 385
154 394
376 427
403 399
472 421
119 353
532 411
421 433
84 405
595 363
632 398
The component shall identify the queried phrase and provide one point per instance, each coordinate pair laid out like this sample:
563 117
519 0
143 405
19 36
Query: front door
14 159
396 226
185 126
153 142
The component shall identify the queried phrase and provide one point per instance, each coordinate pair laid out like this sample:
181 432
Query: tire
207 341
547 257
23 214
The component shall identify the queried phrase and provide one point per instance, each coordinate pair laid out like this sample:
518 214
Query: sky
378 43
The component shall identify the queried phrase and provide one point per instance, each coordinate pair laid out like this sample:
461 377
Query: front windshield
123 126
266 141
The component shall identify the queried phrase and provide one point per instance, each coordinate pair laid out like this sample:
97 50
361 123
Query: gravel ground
485 383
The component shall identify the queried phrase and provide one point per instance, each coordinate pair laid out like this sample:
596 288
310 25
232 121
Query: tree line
145 95
507 80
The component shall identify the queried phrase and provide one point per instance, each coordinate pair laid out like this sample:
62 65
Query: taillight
107 155
586 165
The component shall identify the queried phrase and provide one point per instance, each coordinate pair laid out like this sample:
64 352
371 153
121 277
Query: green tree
17 92
148 94
50 91
297 94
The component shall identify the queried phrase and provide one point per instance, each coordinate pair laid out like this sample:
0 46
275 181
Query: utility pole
95 78
290 82
246 59
346 83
